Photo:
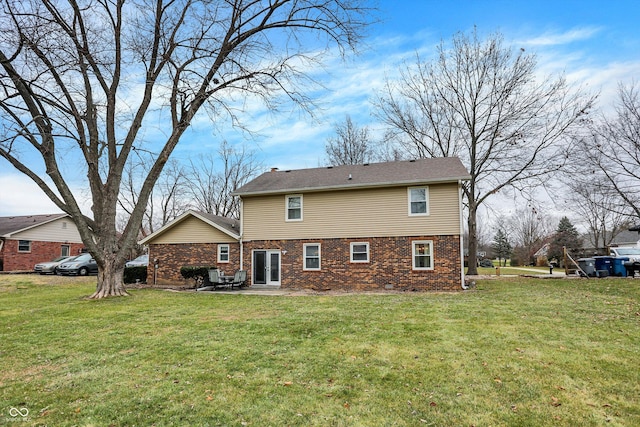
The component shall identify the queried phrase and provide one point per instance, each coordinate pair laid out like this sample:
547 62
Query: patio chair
212 283
239 278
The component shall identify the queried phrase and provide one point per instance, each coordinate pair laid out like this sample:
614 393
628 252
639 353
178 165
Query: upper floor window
294 207
311 256
24 245
223 253
418 201
360 252
422 253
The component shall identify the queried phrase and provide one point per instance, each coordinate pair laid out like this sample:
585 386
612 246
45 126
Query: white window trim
367 252
413 254
220 260
304 257
23 251
426 194
286 208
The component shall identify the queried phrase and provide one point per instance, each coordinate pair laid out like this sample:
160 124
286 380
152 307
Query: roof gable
228 226
410 172
14 224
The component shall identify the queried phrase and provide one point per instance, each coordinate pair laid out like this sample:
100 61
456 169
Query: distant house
192 239
382 226
28 240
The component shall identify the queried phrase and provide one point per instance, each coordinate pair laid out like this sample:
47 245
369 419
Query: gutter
462 282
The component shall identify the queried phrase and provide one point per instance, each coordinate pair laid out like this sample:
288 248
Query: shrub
200 274
135 274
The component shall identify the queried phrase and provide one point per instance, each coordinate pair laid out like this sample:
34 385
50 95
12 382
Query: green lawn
512 352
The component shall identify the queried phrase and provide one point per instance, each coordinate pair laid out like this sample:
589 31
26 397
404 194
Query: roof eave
8 235
181 218
353 186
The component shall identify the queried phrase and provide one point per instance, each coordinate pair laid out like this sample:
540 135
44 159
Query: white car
631 252
141 261
50 267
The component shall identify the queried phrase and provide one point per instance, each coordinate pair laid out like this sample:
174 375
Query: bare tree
529 227
482 102
611 151
79 79
594 200
352 145
213 178
166 200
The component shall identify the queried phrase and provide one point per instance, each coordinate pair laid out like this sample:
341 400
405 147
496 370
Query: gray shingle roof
410 172
230 224
11 224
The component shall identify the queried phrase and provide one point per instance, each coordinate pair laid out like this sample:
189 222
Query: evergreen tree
565 236
501 246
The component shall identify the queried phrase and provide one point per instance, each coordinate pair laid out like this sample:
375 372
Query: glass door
266 267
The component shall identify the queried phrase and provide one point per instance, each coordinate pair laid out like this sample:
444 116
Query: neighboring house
394 225
28 240
192 239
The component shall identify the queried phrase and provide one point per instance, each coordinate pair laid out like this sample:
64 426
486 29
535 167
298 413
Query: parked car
486 263
51 267
81 265
141 261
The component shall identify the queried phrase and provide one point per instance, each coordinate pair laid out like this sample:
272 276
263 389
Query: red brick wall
13 260
171 257
389 266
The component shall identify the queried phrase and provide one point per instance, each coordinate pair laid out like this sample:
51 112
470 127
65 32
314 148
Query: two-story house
393 225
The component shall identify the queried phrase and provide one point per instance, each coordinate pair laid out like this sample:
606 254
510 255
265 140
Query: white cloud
562 38
21 196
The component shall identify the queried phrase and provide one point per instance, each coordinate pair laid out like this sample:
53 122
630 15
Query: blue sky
596 43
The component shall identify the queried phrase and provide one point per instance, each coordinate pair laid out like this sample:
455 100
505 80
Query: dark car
81 265
486 263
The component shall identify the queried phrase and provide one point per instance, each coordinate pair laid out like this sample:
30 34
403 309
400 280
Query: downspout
241 233
462 283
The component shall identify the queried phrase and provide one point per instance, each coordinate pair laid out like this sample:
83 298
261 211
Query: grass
513 352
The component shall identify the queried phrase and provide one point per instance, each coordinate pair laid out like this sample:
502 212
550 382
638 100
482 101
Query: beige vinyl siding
59 230
192 230
353 213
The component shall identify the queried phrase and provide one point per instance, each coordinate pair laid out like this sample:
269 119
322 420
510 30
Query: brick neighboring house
192 239
394 225
28 240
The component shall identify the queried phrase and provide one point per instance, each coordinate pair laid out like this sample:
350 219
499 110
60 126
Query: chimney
274 169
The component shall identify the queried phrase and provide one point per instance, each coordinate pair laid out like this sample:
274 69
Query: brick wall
389 266
171 257
12 260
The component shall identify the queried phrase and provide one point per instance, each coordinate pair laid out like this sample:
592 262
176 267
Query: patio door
266 268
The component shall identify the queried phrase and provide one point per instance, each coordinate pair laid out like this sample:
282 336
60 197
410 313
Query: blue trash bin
604 265
618 266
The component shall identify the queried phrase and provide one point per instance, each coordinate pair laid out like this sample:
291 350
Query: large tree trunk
110 279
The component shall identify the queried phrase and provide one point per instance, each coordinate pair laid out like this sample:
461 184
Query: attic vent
365 164
329 167
412 161
288 171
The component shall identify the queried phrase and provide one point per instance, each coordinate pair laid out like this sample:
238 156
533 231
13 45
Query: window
223 253
360 252
311 256
24 245
65 250
294 208
422 251
418 201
